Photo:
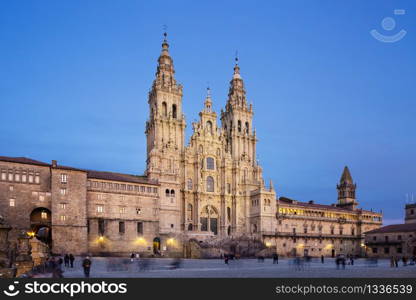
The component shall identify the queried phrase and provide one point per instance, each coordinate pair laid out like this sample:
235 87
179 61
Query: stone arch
40 223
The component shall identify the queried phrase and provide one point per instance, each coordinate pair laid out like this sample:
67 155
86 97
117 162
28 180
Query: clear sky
74 77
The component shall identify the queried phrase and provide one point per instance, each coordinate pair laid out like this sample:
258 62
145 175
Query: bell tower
237 121
346 191
166 124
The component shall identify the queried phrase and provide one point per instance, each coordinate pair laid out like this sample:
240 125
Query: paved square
249 268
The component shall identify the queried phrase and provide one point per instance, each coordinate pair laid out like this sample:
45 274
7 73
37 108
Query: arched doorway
40 224
209 219
156 245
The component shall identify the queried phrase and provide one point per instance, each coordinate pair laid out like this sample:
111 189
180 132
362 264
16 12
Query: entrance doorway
156 245
333 253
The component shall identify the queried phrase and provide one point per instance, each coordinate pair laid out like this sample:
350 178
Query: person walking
226 259
71 260
86 264
322 259
275 258
66 260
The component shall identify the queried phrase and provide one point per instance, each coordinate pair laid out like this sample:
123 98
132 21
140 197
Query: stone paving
248 268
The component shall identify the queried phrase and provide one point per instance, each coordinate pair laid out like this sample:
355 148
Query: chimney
54 163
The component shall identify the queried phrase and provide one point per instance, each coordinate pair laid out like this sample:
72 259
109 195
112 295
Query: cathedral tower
346 191
237 121
166 125
165 132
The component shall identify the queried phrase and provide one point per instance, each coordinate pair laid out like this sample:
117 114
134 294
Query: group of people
69 260
394 261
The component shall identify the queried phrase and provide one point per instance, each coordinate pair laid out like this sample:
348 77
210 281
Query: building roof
346 176
312 205
23 160
119 177
394 228
90 173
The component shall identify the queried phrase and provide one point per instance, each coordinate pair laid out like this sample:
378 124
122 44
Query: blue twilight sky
74 77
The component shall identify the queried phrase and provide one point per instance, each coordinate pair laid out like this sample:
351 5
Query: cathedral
208 189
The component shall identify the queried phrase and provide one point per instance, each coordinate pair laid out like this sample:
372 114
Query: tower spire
208 101
346 190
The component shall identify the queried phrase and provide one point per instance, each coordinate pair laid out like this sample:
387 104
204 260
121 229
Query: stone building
394 240
211 188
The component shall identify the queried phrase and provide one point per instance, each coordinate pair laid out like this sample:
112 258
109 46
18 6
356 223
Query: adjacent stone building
209 189
395 240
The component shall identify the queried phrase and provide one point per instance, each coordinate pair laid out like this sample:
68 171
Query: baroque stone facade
209 189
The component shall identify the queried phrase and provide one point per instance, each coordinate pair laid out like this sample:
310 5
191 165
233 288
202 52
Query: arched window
247 128
239 126
172 193
229 214
190 212
210 184
174 111
189 184
167 193
164 109
210 163
209 127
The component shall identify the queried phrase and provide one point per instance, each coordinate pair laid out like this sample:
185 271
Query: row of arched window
165 110
170 193
240 126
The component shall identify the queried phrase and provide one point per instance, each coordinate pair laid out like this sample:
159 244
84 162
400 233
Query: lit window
10 176
64 178
63 205
122 210
63 192
37 178
12 202
100 208
63 218
3 175
30 178
17 177
44 215
41 198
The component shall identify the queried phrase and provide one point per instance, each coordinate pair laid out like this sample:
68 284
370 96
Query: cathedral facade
210 188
